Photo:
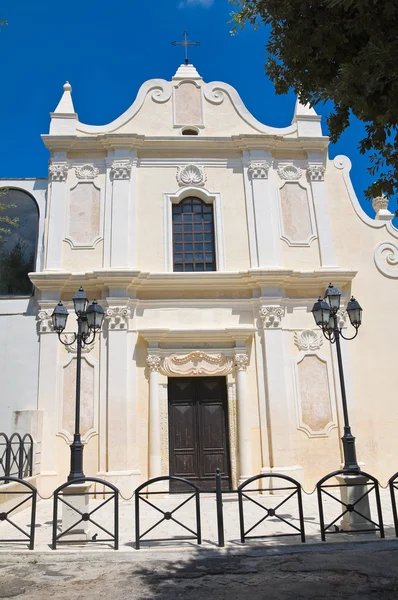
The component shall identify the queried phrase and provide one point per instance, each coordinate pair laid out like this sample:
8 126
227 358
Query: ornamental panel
296 218
84 215
197 363
86 399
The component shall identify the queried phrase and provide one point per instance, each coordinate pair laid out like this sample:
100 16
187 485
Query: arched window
193 236
19 224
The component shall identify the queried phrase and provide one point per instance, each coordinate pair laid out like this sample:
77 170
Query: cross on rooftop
185 44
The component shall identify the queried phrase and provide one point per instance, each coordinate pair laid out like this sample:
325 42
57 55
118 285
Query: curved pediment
170 108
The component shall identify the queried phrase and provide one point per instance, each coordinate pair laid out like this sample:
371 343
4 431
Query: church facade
206 236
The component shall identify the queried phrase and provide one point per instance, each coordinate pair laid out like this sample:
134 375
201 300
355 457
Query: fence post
220 515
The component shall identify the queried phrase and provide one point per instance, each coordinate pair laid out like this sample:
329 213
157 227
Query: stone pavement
186 515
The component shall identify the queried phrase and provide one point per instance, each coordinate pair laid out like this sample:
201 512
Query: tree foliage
345 51
6 222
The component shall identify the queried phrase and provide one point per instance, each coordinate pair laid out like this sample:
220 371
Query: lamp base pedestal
356 487
76 495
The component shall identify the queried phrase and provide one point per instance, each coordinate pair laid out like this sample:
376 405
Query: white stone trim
161 92
343 163
386 259
209 198
215 92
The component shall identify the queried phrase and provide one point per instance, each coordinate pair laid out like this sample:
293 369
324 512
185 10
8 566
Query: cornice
133 280
174 142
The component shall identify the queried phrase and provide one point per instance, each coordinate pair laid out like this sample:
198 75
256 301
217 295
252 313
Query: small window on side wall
193 236
19 225
189 131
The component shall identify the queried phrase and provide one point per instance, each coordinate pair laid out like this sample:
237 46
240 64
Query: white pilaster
280 407
315 173
155 451
58 172
123 218
47 394
118 430
261 211
244 442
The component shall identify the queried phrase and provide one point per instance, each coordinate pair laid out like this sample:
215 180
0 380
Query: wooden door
198 431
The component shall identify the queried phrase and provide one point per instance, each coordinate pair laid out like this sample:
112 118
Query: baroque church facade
206 236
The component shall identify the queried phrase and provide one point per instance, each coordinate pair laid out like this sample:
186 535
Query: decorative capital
45 321
153 362
316 172
117 317
259 170
86 172
308 340
289 172
58 171
241 362
271 316
121 170
191 175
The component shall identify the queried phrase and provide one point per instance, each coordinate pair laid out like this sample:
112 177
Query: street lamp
89 322
325 314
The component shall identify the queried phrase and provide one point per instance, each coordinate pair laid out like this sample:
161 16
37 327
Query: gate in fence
16 455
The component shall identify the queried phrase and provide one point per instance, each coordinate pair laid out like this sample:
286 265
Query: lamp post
89 322
325 314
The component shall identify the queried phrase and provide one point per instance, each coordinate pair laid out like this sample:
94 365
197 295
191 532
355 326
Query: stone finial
65 105
308 122
380 205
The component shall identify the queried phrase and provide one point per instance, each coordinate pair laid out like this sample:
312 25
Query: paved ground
365 571
253 511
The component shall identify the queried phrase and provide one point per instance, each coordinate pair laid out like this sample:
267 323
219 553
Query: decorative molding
233 437
272 316
308 340
316 172
216 92
241 362
290 172
153 362
209 198
121 170
341 317
386 259
58 171
191 175
293 208
164 427
45 321
343 163
72 348
196 363
117 317
159 90
259 170
86 172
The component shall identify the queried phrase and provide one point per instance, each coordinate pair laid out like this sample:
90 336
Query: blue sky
107 50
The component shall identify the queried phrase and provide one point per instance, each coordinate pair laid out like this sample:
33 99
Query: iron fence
355 506
140 496
64 491
16 455
289 486
30 494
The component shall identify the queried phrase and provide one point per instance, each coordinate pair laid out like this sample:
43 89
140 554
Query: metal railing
141 496
356 505
16 456
27 492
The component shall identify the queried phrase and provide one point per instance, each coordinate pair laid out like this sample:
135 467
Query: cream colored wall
373 354
156 119
154 182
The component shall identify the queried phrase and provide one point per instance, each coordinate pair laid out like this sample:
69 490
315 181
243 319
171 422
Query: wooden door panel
198 431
